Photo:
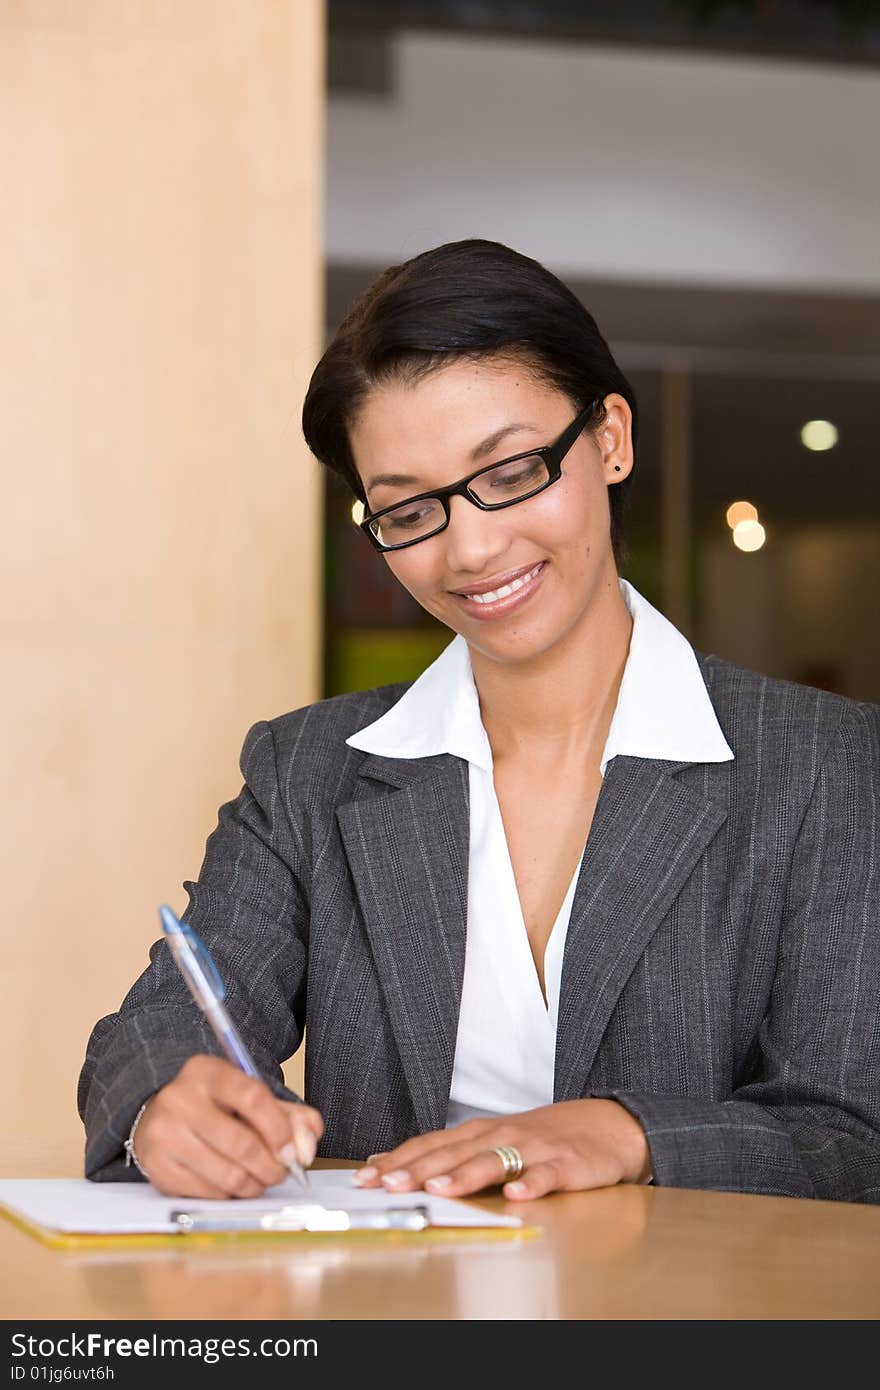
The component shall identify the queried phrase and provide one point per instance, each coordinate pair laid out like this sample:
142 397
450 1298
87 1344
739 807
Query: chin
512 647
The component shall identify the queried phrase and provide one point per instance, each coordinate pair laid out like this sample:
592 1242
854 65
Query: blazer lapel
408 855
647 834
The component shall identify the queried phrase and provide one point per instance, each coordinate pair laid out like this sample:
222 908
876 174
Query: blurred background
194 193
705 177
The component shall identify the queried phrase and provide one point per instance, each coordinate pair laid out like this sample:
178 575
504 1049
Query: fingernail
371 1158
443 1181
364 1175
301 1151
399 1178
516 1188
306 1146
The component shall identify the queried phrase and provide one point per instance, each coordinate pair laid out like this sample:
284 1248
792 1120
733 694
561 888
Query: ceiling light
357 512
749 535
740 511
819 435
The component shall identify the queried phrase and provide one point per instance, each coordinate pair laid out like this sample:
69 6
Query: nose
474 538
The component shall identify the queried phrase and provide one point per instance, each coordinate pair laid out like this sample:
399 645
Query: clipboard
74 1214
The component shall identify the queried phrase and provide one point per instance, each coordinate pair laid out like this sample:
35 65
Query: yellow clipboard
195 1240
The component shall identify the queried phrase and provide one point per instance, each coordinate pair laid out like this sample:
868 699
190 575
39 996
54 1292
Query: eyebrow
481 450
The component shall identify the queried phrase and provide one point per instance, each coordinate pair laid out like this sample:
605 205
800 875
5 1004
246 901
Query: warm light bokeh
749 535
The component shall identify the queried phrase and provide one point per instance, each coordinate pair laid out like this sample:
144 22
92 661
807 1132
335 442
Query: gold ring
512 1160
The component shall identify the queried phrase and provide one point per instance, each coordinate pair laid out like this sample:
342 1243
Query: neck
561 702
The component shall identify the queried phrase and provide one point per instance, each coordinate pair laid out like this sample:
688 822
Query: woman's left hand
566 1147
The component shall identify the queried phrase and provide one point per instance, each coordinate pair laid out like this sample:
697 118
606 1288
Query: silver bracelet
130 1155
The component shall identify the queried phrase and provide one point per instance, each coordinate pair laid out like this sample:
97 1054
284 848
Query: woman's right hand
215 1132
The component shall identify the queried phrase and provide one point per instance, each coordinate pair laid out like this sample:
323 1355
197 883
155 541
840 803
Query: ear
614 439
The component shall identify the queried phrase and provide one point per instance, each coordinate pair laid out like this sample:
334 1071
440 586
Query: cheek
416 571
570 515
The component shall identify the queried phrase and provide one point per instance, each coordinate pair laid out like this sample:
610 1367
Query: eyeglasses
502 484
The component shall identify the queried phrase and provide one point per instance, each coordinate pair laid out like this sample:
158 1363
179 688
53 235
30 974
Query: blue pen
208 990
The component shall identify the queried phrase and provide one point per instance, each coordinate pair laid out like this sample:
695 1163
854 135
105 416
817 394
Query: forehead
434 423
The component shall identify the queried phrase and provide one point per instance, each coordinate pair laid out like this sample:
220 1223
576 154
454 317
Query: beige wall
159 276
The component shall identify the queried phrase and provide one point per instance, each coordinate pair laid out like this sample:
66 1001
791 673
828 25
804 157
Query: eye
516 478
518 474
410 521
399 521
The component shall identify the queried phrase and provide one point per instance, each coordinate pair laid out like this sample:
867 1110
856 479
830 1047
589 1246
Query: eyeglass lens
509 482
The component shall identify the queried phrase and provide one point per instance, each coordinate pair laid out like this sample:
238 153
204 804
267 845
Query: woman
576 907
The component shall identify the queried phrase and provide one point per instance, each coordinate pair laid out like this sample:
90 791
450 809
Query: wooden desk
622 1252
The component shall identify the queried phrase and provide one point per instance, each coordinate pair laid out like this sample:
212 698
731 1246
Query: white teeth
511 588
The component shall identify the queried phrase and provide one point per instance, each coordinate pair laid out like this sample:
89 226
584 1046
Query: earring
617 467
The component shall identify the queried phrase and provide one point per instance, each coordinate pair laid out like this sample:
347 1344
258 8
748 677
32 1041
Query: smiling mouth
503 590
507 598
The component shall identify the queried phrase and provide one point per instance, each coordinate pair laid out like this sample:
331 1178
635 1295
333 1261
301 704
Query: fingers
399 1169
445 1168
485 1169
214 1132
536 1181
241 1149
306 1127
194 1169
178 1181
433 1148
245 1096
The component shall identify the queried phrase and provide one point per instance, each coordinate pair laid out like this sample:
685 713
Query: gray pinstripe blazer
721 970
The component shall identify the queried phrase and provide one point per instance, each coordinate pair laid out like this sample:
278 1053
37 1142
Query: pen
208 990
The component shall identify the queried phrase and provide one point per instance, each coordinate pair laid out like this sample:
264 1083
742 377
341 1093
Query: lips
497 581
481 608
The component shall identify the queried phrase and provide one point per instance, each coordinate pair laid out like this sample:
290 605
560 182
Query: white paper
75 1206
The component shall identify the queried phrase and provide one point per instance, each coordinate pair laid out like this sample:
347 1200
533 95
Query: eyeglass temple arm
565 441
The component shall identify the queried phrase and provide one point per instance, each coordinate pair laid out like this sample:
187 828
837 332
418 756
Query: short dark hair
466 299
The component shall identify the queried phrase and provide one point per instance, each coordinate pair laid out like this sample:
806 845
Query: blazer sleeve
806 1121
250 908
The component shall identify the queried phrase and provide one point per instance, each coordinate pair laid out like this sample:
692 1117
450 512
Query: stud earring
617 467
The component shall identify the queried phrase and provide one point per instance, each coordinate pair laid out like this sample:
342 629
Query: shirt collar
663 708
439 713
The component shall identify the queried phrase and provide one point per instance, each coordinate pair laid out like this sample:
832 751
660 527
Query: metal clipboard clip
301 1216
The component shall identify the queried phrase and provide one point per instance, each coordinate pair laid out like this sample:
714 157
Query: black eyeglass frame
552 455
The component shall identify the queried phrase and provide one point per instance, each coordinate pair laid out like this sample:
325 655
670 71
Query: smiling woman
577 906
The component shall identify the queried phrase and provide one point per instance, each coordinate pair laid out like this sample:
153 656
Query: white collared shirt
506 1043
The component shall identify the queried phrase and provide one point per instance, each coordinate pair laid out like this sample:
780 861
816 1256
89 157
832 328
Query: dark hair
467 299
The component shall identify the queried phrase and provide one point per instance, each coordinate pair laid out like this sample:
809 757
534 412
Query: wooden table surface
624 1252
